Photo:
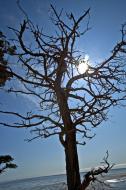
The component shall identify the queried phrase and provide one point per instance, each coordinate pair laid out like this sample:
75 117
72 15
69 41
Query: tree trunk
72 163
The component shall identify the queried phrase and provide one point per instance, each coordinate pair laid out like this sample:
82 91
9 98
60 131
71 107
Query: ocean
116 179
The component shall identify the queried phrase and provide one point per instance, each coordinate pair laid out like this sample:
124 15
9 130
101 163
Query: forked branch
92 175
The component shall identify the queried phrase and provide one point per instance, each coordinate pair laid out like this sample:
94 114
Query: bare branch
91 176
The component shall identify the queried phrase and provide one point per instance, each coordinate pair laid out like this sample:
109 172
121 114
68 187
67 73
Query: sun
83 64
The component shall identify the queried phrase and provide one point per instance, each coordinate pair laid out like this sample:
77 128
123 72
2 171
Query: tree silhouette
5 49
69 103
6 162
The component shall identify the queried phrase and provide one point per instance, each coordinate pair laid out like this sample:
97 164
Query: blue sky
46 157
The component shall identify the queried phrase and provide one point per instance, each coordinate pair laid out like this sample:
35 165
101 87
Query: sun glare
83 64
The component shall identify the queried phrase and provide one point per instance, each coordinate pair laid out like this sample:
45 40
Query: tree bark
71 155
72 163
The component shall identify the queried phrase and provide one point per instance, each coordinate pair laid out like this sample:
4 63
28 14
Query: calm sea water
116 179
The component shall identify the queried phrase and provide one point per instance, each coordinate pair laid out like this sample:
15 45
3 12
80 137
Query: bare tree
70 103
